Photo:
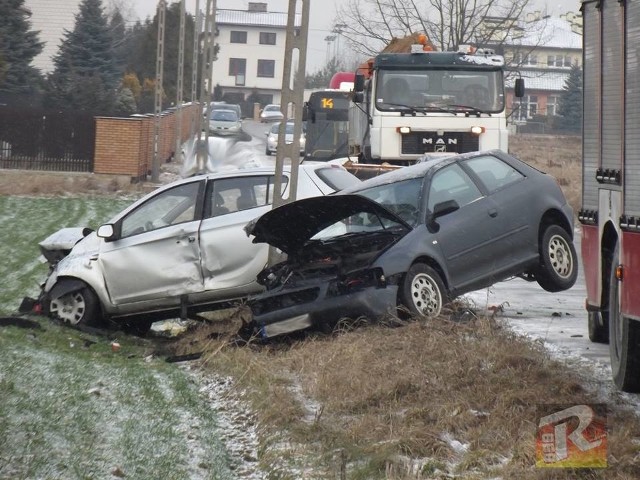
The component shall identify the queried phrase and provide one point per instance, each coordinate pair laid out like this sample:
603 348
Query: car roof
421 169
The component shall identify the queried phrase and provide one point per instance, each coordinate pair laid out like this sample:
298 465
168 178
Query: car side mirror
107 232
440 210
519 88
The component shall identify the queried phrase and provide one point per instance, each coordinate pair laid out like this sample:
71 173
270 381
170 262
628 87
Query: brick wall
124 146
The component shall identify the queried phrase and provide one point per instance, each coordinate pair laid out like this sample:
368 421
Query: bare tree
370 25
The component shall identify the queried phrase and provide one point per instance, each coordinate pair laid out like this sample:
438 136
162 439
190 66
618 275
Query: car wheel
598 327
77 307
559 266
624 337
422 291
267 151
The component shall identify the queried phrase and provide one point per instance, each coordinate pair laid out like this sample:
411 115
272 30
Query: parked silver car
272 137
179 250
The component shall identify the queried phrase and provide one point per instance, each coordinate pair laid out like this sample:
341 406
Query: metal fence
36 139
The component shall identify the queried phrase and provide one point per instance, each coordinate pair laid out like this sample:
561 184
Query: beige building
51 18
543 55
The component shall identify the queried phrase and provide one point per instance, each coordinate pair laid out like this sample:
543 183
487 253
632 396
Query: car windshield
402 198
440 90
272 108
224 115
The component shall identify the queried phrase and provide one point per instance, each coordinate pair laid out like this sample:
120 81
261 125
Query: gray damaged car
414 238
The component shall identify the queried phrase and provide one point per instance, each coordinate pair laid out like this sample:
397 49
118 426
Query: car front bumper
315 309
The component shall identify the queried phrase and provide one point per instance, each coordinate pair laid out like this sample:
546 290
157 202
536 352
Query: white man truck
610 213
410 104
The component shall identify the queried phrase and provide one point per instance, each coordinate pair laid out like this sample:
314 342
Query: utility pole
205 86
179 84
296 40
155 168
196 122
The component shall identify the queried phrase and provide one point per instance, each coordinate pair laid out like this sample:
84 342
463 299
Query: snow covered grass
73 408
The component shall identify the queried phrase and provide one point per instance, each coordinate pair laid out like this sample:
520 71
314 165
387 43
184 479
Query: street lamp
338 28
329 39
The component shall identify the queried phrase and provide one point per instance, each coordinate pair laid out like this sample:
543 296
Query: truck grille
417 143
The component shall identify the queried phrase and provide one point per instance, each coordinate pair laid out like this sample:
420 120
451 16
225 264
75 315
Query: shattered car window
362 222
402 198
174 206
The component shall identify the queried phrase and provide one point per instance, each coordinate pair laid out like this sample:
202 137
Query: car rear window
337 178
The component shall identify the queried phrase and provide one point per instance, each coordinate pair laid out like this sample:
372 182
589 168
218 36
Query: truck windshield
440 90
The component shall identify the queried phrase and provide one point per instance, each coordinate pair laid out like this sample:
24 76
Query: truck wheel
422 291
624 338
76 307
598 327
558 260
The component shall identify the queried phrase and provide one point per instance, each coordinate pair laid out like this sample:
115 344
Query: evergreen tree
18 47
86 75
144 53
570 105
322 77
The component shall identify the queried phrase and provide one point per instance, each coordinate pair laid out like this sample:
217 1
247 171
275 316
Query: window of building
530 59
267 38
238 36
238 69
553 102
561 61
266 68
525 108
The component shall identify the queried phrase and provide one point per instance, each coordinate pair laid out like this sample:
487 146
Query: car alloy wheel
423 291
558 260
78 307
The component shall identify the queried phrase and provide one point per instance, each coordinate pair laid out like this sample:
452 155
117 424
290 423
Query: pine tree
86 74
570 105
18 47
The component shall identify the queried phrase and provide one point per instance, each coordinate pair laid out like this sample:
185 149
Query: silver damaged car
179 250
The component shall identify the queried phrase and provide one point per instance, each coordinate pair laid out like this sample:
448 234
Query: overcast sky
321 18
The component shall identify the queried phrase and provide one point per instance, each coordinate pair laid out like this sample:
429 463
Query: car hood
290 226
59 244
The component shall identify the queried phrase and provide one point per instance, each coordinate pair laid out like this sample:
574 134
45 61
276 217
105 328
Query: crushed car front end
334 267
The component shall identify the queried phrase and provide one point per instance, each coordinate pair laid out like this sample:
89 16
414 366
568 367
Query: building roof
540 80
550 32
257 19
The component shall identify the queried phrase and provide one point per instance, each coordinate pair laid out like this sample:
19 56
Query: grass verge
429 400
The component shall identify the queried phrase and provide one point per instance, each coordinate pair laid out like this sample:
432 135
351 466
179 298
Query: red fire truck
610 214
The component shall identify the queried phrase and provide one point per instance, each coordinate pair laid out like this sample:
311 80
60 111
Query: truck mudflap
590 250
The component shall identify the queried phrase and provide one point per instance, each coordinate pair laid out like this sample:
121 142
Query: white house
251 56
51 18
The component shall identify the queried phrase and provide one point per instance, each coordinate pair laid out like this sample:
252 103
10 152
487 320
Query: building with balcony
252 52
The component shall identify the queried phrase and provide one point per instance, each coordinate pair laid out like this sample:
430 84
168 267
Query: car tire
624 338
422 291
79 307
598 327
558 260
267 152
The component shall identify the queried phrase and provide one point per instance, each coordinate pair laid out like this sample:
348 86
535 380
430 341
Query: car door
510 192
469 238
157 254
230 261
